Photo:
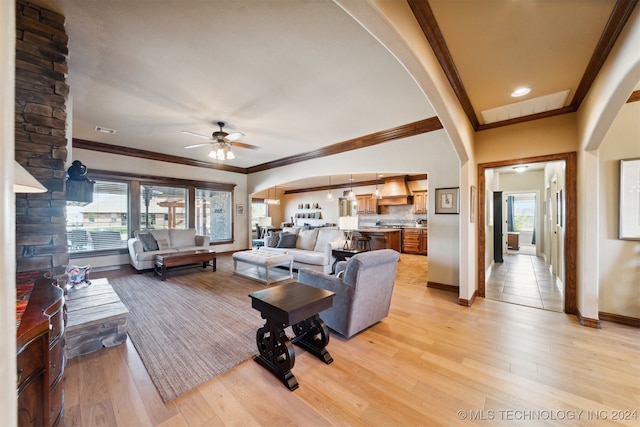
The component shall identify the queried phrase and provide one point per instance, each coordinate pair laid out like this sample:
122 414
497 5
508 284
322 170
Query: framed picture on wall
447 200
239 209
472 212
629 199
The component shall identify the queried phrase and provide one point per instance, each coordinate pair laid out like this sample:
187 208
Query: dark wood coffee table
284 305
175 259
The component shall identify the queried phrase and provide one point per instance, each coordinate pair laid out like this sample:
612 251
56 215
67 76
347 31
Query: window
524 212
122 205
214 214
98 225
162 207
258 210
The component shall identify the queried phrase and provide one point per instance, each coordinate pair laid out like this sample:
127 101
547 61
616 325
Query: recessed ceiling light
521 91
520 168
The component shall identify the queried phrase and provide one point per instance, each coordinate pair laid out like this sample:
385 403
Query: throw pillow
287 240
163 244
307 239
149 242
272 239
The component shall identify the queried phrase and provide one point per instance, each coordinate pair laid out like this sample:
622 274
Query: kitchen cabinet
420 202
414 241
40 355
366 205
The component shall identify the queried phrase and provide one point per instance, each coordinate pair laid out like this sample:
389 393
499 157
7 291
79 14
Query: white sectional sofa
309 248
147 244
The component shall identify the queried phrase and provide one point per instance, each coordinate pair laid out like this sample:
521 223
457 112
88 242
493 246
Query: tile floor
525 280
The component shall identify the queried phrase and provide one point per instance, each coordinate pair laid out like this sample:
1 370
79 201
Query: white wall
556 170
430 153
491 185
619 260
8 407
611 88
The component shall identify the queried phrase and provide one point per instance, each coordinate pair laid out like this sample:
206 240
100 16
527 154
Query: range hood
395 192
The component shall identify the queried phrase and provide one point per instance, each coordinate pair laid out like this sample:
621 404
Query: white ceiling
297 75
293 76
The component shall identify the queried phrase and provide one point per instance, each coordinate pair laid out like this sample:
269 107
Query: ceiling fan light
230 155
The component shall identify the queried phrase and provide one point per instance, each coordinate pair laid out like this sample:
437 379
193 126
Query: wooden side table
343 255
297 305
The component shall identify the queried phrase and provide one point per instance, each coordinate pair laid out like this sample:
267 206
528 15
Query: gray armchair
362 293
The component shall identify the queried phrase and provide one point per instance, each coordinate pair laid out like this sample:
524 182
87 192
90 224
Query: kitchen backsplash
392 215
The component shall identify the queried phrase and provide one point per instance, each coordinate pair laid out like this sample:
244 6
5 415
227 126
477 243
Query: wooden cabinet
424 245
366 205
40 356
420 202
414 241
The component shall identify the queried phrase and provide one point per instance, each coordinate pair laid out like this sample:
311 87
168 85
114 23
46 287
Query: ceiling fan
221 143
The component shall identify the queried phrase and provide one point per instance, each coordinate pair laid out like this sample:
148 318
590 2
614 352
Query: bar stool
363 242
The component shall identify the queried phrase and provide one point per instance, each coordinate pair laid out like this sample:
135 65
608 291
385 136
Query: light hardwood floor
431 362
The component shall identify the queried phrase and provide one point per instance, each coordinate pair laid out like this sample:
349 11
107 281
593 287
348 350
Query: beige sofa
147 244
309 248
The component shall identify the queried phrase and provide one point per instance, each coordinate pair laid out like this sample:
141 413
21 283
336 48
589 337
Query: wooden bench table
175 259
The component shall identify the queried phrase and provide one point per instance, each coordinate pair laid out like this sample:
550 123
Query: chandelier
221 151
270 201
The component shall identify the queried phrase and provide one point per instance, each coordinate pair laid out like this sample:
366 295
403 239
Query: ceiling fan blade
244 145
233 136
197 145
196 134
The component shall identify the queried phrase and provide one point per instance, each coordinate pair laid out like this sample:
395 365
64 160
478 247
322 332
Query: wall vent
105 130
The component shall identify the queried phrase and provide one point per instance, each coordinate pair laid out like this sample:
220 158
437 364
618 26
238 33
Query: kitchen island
383 237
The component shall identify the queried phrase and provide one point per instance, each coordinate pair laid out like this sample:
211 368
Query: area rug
190 328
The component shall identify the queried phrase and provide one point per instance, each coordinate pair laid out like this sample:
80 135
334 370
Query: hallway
525 280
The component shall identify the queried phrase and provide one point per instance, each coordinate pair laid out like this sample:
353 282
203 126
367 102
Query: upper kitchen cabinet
420 202
366 204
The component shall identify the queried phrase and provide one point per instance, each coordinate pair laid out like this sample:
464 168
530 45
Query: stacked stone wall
40 137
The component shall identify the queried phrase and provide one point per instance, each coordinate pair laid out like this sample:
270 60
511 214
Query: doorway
566 238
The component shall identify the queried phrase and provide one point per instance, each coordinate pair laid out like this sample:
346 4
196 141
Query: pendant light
329 194
377 194
351 195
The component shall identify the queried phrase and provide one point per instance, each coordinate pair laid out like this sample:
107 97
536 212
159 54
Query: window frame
135 181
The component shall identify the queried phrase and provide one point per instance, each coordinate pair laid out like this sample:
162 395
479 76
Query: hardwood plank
229 410
125 398
158 411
